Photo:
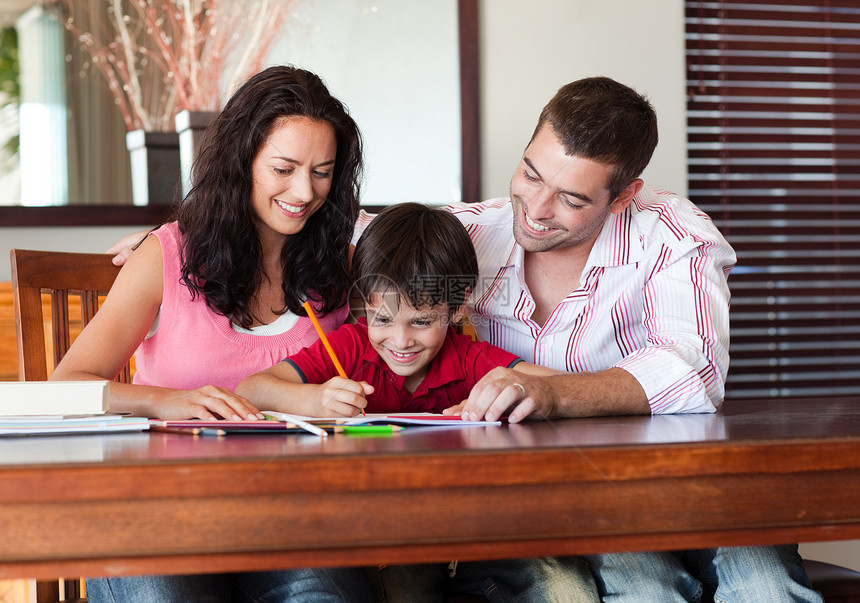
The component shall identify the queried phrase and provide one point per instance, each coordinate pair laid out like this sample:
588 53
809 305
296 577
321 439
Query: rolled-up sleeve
684 364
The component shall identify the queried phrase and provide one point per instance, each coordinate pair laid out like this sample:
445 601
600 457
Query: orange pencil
325 342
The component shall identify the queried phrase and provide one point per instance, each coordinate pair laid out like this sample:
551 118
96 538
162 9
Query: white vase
154 166
190 126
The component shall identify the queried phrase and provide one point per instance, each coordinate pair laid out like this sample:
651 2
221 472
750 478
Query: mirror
400 114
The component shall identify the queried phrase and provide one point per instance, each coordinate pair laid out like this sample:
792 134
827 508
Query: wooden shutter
774 158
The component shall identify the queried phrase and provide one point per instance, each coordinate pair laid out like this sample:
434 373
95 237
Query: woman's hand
207 403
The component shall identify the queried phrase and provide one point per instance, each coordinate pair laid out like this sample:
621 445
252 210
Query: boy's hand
339 397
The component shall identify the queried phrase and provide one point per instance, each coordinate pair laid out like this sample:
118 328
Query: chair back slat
89 275
89 306
60 323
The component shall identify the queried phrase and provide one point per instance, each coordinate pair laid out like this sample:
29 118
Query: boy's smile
406 338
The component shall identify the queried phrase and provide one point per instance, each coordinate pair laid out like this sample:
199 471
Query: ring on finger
522 390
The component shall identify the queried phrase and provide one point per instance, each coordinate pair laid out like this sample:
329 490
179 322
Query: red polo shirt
459 365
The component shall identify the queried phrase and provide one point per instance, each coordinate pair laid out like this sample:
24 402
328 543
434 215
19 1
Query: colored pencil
367 429
324 340
326 344
185 430
293 419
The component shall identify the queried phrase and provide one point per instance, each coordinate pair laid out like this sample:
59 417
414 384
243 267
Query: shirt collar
618 243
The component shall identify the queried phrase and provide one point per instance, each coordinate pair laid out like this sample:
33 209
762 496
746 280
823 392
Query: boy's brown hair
420 252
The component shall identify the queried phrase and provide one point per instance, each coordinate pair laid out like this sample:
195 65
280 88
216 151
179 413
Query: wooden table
758 472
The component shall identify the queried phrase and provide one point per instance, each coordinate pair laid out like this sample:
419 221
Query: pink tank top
194 346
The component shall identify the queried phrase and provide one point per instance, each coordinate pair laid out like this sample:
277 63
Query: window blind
774 158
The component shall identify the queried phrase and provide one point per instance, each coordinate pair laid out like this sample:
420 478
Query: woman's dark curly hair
222 255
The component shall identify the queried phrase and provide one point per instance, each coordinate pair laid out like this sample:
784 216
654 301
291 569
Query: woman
217 295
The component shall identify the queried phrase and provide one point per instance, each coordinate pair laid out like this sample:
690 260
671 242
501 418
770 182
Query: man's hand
504 389
123 248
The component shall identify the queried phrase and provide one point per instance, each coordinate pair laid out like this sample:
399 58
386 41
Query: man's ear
626 196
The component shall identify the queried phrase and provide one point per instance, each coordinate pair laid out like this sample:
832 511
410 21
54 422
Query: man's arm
563 395
123 248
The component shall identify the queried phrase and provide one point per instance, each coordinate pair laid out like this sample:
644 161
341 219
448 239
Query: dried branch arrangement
160 57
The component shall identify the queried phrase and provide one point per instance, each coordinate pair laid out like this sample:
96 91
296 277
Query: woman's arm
281 388
112 336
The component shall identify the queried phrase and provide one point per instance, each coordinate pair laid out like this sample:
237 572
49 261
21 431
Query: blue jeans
551 580
722 575
295 586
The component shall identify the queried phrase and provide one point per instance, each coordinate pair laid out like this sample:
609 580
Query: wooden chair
88 275
34 272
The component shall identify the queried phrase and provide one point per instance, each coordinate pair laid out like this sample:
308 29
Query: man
622 288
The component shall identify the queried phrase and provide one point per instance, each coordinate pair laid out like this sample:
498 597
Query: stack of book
61 407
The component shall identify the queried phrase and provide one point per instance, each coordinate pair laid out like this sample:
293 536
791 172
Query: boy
414 268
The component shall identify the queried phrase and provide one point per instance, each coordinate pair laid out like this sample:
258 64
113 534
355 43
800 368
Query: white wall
88 239
528 50
396 97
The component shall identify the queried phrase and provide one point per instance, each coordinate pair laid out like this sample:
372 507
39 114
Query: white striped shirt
653 299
